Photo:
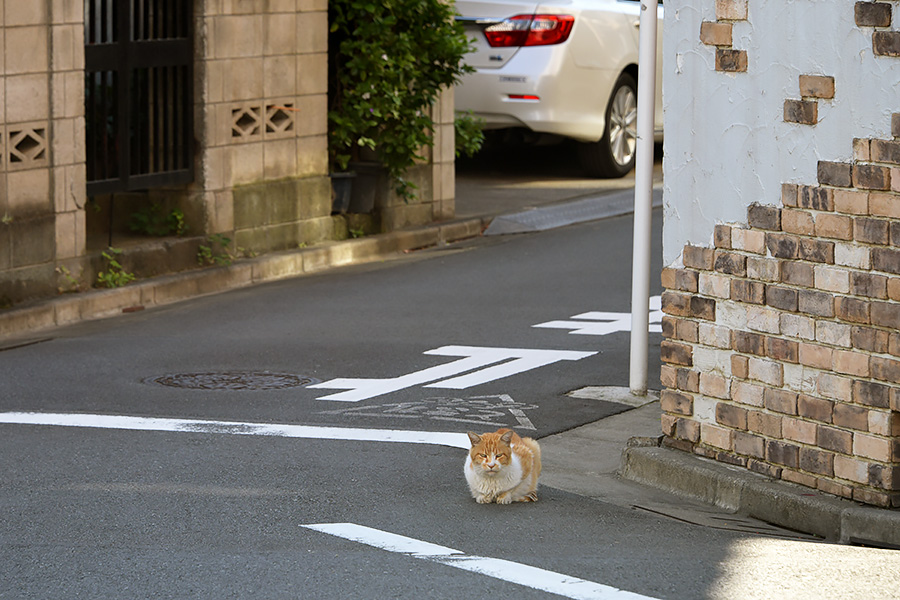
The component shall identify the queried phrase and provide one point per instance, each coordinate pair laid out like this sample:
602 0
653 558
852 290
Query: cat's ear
506 438
473 437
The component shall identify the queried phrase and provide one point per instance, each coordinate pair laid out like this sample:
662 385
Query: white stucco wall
726 143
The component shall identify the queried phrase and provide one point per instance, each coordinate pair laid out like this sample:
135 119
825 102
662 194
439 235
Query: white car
566 68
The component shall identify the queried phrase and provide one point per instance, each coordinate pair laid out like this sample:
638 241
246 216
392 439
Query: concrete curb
778 502
167 289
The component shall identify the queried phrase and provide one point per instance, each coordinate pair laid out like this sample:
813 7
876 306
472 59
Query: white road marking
480 410
514 360
533 577
604 323
438 438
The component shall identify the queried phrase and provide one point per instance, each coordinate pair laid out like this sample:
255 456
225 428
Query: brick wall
782 341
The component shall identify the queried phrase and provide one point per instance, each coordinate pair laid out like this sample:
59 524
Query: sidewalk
616 460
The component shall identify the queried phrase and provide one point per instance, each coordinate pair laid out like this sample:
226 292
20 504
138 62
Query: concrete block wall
262 110
42 178
260 121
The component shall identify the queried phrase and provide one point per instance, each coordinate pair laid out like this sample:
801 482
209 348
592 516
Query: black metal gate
138 94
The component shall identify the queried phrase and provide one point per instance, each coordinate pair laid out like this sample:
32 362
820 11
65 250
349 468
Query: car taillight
530 30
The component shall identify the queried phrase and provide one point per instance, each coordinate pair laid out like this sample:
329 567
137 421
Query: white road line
438 438
539 579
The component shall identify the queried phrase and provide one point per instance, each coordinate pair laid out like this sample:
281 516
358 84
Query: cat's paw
483 499
504 499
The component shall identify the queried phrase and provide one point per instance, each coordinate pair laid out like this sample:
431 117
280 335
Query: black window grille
138 94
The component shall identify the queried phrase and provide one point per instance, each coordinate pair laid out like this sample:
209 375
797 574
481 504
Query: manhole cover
234 380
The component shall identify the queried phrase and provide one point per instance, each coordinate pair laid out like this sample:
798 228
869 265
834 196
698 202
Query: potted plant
388 62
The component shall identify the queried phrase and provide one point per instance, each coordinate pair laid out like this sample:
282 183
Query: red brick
817 461
715 34
886 314
696 257
730 60
871 177
667 376
731 416
796 273
673 402
747 393
886 151
869 393
716 436
893 288
749 444
871 231
818 86
834 387
799 430
849 362
782 350
730 263
885 369
782 453
687 380
872 14
739 366
852 202
895 125
789 193
722 236
852 310
760 216
886 43
751 292
871 340
686 429
838 440
834 226
872 447
883 204
797 221
676 304
813 355
781 401
675 353
815 303
804 112
851 417
887 260
782 298
766 424
816 251
748 343
851 469
868 285
815 198
782 245
832 173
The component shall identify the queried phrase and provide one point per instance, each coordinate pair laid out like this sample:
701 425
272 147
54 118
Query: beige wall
261 176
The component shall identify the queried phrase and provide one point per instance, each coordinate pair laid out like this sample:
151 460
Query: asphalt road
155 491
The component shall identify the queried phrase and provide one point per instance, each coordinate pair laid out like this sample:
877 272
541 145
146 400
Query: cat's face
490 451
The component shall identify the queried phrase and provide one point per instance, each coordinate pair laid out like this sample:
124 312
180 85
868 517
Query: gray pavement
617 459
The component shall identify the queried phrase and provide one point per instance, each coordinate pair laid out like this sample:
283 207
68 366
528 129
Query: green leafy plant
356 233
115 275
388 62
215 251
469 131
154 219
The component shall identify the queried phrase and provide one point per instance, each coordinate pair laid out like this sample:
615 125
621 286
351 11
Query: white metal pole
643 192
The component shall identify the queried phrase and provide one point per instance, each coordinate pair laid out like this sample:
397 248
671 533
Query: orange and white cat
502 467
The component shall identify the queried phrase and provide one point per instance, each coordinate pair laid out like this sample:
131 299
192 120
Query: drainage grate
234 380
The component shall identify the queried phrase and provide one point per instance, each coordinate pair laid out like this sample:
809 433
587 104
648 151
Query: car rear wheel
613 154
